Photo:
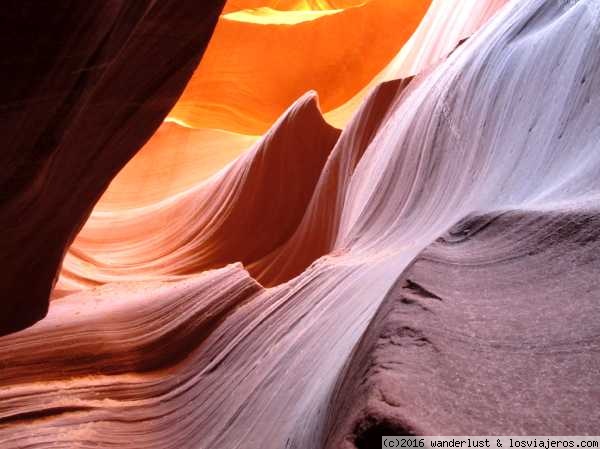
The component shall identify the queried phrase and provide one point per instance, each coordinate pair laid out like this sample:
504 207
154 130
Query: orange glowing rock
431 269
175 159
189 148
179 157
261 60
291 5
266 190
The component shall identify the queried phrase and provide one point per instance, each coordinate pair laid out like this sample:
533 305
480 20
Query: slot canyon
298 224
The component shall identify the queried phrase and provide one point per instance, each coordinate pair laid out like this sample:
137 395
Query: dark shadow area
370 430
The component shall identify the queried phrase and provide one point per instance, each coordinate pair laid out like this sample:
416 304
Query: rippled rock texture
300 256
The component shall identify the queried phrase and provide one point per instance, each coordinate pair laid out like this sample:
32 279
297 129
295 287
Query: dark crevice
52 412
368 432
420 290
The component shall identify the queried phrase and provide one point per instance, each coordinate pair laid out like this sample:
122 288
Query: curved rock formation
446 24
174 160
82 91
179 157
498 316
266 190
431 269
259 63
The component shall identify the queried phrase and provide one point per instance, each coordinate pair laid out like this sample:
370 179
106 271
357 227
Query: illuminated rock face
430 268
178 158
265 192
263 60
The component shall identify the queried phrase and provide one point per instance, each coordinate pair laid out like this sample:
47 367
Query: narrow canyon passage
411 253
